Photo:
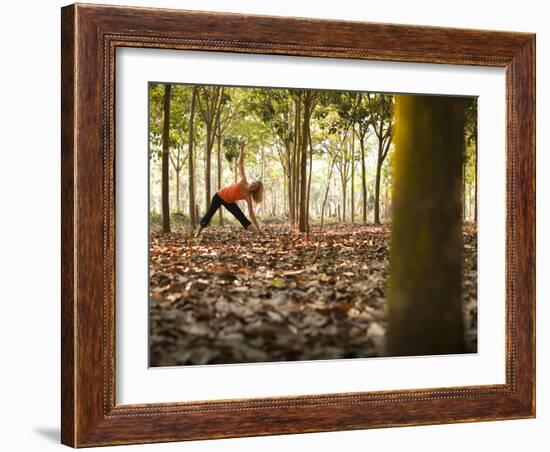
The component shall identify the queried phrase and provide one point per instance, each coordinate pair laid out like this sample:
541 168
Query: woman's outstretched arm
257 229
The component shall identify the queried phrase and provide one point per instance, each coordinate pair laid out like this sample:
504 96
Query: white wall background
30 228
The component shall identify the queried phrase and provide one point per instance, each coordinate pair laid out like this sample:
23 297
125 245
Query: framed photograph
281 225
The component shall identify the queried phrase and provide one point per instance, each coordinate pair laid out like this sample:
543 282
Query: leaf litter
232 297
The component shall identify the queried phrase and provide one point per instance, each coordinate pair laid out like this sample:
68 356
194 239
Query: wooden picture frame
90 35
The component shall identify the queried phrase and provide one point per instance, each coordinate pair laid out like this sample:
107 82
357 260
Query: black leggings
232 207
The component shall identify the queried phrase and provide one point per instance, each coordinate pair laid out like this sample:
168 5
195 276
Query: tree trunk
424 297
296 157
288 192
262 170
344 193
377 186
207 168
291 216
292 198
220 215
210 111
302 222
470 216
191 160
352 194
463 191
363 180
325 198
309 180
284 201
475 173
178 207
166 160
386 201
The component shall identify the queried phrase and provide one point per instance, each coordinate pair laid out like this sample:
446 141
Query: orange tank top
231 193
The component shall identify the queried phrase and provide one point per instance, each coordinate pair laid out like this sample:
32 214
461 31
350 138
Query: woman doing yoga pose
228 197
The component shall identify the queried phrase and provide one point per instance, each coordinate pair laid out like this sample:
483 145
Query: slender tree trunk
191 160
463 191
344 196
219 155
166 160
285 210
424 299
325 198
297 189
210 111
297 156
309 180
377 188
294 149
207 167
178 207
363 180
386 201
292 210
288 179
262 170
471 207
352 194
475 174
289 199
302 222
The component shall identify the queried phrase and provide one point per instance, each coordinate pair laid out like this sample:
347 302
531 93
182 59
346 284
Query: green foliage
180 102
266 119
274 109
231 144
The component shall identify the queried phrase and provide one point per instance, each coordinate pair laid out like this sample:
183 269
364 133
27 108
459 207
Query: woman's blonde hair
258 194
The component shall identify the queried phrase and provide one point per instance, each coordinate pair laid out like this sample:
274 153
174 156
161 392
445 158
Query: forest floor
232 297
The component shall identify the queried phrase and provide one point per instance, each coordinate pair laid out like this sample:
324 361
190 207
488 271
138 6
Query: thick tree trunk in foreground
191 158
166 160
424 300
